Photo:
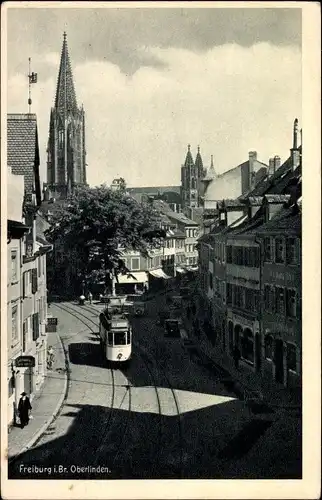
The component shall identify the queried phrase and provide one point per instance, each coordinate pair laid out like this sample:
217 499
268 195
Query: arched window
247 345
238 332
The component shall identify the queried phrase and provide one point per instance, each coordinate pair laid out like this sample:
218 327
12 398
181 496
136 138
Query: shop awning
158 273
139 277
180 270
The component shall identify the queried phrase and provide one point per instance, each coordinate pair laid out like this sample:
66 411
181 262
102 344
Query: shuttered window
35 326
24 334
34 280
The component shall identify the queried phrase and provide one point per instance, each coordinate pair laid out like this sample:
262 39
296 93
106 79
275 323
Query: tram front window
110 338
119 338
128 336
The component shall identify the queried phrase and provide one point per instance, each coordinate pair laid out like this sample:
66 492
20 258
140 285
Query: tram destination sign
25 362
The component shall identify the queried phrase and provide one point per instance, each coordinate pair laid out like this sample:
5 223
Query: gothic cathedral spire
65 93
66 165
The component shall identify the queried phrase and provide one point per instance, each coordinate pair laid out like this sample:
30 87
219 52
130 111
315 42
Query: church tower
191 175
66 164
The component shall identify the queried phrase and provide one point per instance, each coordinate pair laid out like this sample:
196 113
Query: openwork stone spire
65 93
189 160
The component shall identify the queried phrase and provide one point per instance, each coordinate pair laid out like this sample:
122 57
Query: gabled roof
230 203
254 201
287 220
276 198
23 151
179 234
180 217
65 92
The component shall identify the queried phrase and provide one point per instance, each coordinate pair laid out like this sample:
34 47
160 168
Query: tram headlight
119 355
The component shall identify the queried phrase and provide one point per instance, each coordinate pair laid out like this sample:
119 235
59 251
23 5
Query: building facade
250 274
234 182
66 163
26 284
280 241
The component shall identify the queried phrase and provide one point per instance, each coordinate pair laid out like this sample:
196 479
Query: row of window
290 352
15 265
280 300
190 248
243 256
245 339
191 233
279 250
282 250
243 298
134 264
30 327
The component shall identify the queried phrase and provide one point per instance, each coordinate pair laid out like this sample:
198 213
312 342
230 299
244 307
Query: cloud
229 99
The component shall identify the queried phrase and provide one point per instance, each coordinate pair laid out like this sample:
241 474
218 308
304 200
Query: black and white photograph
152 278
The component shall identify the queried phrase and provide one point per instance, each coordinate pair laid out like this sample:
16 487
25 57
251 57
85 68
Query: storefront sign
25 362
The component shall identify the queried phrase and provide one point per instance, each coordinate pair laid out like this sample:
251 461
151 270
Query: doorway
279 361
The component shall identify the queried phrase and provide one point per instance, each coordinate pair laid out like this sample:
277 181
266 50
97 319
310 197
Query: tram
115 337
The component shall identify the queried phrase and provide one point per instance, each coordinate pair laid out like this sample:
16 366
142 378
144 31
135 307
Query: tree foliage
99 224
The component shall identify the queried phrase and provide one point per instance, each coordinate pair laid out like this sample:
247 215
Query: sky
153 80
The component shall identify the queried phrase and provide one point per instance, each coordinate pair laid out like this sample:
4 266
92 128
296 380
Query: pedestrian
24 407
236 355
90 297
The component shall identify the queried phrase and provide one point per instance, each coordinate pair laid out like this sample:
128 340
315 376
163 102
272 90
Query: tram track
156 365
109 422
149 361
92 309
146 358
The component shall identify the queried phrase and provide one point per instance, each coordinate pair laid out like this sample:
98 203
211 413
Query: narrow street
165 416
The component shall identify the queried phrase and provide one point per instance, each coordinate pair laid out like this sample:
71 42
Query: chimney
271 167
277 162
295 153
252 157
295 133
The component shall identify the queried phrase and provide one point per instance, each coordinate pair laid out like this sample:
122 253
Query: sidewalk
45 404
251 385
